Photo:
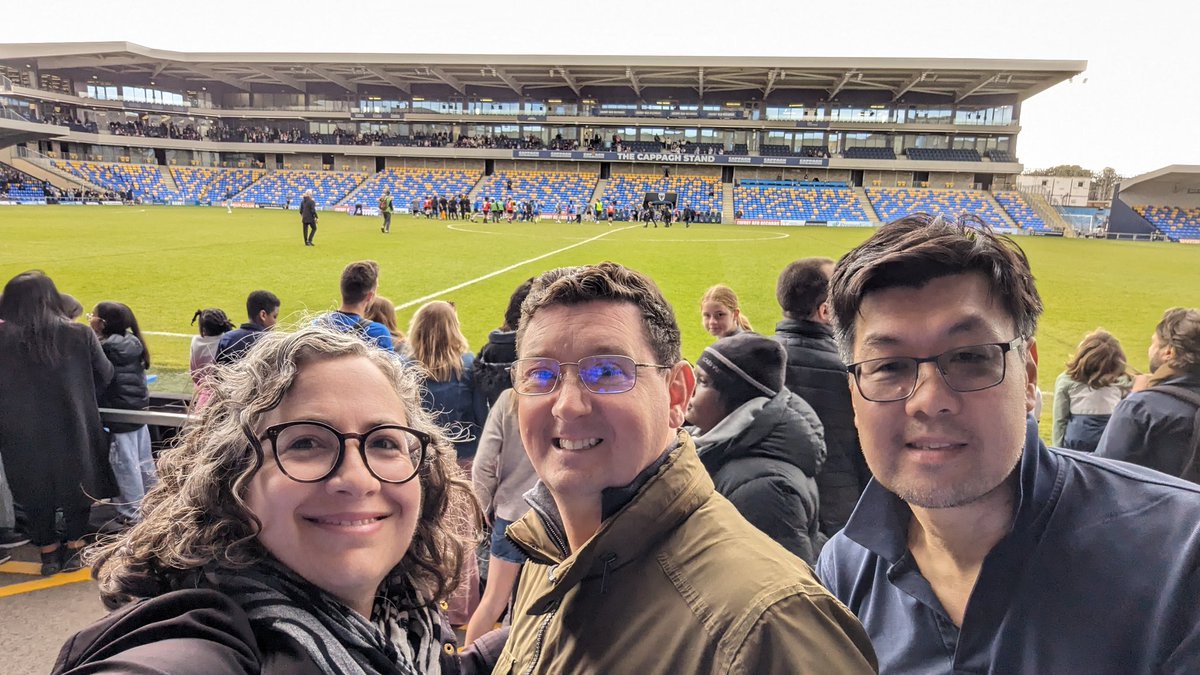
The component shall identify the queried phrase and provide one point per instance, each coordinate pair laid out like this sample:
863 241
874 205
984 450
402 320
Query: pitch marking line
61 579
498 272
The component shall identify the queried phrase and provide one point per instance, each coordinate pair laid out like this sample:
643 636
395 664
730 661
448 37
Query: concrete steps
727 210
598 193
1008 220
865 202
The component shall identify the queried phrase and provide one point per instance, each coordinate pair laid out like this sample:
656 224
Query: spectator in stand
262 310
308 217
129 449
247 562
492 365
502 475
437 345
54 449
721 314
213 324
816 373
381 310
359 285
762 444
71 308
1159 426
1085 394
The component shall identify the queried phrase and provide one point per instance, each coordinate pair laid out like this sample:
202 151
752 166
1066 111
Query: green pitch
166 262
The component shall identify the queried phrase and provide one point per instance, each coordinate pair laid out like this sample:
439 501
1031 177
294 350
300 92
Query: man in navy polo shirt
975 548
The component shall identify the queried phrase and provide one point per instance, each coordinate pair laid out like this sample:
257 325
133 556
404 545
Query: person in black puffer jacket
816 373
492 364
762 444
129 451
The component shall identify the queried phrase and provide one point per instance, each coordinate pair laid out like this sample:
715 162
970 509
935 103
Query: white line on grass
160 334
498 272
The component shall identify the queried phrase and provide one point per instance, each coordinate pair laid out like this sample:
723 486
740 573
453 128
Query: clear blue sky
1130 114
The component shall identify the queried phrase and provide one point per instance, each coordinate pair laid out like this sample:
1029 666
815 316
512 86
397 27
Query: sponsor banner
177 202
794 223
672 158
1189 241
376 116
849 223
5 202
70 203
351 209
670 114
811 124
755 221
112 203
531 118
243 205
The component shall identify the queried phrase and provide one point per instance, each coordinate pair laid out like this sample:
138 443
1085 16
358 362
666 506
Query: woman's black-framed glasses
964 369
604 374
309 451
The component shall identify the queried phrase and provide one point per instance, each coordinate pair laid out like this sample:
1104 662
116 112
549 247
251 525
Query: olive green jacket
676 581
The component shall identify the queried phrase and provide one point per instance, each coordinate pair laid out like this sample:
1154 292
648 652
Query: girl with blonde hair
721 314
1095 381
437 345
381 310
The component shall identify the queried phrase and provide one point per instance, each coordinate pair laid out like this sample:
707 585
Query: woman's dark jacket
491 366
764 457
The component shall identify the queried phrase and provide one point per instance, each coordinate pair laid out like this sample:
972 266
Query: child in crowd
721 314
213 324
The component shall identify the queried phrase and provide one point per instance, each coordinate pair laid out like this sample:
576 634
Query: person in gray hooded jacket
762 444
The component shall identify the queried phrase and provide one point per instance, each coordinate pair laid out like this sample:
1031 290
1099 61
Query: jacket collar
880 521
805 327
673 487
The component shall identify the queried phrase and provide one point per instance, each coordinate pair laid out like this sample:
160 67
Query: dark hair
1180 328
512 314
71 308
32 307
1099 361
803 285
212 321
259 301
609 282
117 319
359 279
916 249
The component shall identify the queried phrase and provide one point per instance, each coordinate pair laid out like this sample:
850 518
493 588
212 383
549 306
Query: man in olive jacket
636 564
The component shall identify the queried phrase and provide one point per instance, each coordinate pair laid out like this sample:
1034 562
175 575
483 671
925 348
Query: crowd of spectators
139 127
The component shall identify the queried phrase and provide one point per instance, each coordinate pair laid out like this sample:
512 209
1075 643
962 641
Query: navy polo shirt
1100 573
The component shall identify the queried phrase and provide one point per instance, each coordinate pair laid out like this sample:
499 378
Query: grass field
166 262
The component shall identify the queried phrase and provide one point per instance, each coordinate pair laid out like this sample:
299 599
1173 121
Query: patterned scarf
338 639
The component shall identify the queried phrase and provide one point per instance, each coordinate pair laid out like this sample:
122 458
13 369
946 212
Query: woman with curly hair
298 527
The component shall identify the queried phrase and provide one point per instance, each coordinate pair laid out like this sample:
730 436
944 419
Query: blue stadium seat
329 187
798 203
702 193
893 203
409 185
1174 222
144 180
1020 211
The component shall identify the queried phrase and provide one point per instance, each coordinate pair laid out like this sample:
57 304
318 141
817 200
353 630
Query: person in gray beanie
762 444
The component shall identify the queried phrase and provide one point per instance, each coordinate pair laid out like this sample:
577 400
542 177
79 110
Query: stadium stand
1174 222
329 187
702 193
20 187
893 203
790 200
862 152
547 188
409 185
641 146
999 156
206 185
1020 211
942 155
769 150
144 181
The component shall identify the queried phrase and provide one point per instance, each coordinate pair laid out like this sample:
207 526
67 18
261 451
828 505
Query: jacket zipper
552 530
541 636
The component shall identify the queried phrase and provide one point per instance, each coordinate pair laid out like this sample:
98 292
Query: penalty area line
489 275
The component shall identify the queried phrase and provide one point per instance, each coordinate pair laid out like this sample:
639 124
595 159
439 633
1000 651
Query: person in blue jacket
975 548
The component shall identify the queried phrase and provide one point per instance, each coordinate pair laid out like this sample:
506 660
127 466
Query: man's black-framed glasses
309 452
964 369
603 374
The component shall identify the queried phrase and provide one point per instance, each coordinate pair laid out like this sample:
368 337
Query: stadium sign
672 158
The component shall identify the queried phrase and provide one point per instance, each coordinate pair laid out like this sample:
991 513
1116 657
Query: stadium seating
893 203
329 187
548 188
207 185
832 203
628 190
1000 156
409 185
769 150
143 180
1173 221
22 193
861 152
942 155
1020 211
740 149
641 146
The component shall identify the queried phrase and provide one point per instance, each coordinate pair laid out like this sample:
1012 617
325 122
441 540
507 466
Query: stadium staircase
861 195
168 179
1004 215
476 193
727 210
1048 213
352 195
598 193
